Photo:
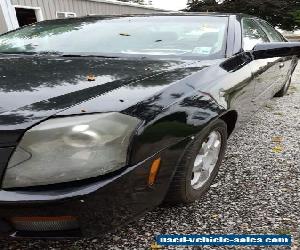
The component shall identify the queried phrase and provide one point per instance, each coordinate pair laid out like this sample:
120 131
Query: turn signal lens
154 171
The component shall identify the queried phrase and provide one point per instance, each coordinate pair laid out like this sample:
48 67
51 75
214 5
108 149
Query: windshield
201 36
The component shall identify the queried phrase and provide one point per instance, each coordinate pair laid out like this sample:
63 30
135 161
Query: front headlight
71 148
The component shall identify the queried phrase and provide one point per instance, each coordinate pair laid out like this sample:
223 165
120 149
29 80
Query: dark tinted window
252 34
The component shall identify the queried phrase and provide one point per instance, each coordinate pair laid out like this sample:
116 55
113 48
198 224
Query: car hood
34 88
28 80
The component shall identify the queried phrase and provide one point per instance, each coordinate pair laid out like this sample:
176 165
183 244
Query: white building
16 13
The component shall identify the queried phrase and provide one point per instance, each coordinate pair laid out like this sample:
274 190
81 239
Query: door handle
281 65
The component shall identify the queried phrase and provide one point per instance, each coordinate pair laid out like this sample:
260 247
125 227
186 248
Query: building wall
3 26
8 21
81 7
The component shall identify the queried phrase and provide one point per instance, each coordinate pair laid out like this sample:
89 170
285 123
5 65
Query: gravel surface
256 192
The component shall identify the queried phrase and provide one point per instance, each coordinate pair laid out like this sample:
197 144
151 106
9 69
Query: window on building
62 15
25 16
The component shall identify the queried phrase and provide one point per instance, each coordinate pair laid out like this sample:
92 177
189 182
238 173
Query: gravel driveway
256 192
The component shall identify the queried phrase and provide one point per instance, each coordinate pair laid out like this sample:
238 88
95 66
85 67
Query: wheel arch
230 118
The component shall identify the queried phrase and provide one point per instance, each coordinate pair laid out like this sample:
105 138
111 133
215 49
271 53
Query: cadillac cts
104 118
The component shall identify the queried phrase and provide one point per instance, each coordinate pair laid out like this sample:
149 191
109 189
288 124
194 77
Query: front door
265 72
285 63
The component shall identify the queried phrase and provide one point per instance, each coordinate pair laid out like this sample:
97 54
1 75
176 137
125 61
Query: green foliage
296 15
284 14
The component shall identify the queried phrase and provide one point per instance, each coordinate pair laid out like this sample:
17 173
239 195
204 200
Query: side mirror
270 50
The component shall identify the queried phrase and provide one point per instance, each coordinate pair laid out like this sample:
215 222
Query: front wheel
199 165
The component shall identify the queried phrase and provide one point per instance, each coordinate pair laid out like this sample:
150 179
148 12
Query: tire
181 189
284 89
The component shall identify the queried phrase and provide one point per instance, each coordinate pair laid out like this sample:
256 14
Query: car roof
217 14
191 14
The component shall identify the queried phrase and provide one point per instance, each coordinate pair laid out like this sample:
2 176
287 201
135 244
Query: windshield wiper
29 53
63 54
56 53
88 55
50 53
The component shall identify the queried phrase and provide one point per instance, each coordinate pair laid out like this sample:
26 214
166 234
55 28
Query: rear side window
252 34
272 33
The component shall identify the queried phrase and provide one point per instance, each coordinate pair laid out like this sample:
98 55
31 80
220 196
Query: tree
284 14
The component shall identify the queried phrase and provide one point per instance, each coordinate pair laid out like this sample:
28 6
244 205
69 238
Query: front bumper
99 206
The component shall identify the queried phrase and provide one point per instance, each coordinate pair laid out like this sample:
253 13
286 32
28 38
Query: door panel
237 87
267 73
285 63
285 66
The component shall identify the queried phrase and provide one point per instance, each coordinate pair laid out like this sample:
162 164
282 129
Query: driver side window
273 34
252 34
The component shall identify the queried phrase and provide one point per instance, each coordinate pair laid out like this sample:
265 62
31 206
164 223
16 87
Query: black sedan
104 118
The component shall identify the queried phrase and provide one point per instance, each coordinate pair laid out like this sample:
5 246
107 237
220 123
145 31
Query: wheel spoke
195 178
217 144
204 149
198 164
204 176
212 139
